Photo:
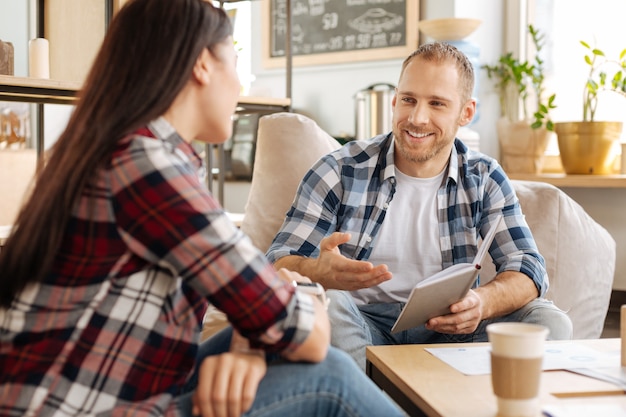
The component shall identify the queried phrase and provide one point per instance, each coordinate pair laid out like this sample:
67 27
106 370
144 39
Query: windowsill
552 173
576 181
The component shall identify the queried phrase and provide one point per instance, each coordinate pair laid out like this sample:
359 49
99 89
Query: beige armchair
288 144
580 254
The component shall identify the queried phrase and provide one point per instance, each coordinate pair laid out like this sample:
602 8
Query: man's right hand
335 271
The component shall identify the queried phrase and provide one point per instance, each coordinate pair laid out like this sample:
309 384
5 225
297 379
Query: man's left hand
464 317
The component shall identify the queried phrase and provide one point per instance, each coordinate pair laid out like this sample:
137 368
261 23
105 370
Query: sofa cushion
288 144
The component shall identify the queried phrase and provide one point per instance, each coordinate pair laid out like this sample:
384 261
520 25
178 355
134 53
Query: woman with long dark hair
107 273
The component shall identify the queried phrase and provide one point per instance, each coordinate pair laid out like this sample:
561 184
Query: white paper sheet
475 360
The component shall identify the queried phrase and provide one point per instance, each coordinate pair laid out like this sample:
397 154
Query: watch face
307 284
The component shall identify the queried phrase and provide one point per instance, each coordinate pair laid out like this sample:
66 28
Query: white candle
39 58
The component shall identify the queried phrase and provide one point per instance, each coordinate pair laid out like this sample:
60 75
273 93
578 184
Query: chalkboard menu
328 31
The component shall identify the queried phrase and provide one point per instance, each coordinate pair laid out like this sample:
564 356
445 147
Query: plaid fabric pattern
350 189
113 328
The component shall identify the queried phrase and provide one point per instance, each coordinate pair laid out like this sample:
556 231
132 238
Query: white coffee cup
517 351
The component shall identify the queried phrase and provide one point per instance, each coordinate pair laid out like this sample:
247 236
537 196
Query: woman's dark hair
146 58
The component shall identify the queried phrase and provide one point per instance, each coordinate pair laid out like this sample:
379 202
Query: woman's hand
227 383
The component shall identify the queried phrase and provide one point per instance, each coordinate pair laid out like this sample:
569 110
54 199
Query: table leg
398 396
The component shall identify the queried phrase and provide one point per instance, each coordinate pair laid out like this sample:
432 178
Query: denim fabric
333 387
355 327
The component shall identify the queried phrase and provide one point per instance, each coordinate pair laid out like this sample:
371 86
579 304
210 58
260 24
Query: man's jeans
333 387
355 327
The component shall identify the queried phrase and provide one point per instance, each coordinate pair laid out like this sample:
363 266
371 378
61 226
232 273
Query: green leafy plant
512 76
600 80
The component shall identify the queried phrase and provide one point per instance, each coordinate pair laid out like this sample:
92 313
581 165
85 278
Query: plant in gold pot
523 134
586 146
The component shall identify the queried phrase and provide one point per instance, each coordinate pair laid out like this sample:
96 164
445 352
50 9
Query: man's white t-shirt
408 241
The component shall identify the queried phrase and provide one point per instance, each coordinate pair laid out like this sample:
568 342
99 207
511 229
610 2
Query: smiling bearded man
377 216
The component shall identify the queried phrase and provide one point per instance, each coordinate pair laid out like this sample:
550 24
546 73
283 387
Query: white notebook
434 296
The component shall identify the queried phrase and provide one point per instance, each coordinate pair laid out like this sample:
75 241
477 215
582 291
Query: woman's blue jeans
333 387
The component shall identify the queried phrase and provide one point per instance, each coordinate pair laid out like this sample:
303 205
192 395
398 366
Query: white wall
326 94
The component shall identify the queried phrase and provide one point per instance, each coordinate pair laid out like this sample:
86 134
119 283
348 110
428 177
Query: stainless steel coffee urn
373 110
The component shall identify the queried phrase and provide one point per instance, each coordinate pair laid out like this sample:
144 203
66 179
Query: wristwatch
313 288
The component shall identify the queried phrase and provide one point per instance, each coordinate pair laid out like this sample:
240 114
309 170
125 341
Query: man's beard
414 155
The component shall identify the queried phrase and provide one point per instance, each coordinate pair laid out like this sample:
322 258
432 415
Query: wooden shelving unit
45 91
42 91
64 92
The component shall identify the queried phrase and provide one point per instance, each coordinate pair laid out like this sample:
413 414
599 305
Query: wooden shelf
36 90
246 103
575 181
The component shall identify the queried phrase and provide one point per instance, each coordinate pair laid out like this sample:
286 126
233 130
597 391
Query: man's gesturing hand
335 271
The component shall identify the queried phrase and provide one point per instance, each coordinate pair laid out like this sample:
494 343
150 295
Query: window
241 16
566 22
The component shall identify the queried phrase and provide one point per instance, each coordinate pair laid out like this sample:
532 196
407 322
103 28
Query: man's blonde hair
441 52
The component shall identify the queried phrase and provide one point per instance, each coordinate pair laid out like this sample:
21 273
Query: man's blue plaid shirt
349 190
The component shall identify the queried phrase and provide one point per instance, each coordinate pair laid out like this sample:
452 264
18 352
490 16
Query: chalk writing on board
328 26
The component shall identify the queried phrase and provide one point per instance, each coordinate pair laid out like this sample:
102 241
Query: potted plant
523 135
586 146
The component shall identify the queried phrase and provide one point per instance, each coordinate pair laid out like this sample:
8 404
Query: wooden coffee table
423 385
